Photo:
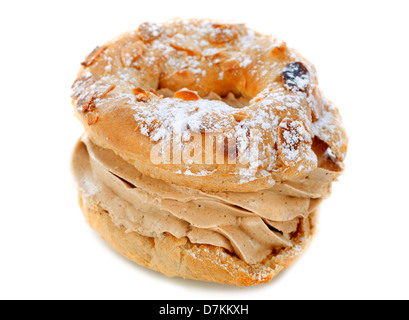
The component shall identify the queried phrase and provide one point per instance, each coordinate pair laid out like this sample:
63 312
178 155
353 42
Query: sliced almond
183 43
291 136
92 118
153 125
230 65
103 96
240 116
150 31
186 95
91 58
131 53
86 102
137 91
223 33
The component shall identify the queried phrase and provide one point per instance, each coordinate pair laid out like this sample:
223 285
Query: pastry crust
119 86
180 258
192 79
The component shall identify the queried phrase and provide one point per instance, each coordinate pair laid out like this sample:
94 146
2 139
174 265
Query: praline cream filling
251 225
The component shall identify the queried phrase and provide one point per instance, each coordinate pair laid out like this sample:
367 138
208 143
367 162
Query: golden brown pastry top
228 83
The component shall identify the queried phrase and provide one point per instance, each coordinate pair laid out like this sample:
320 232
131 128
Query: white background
360 49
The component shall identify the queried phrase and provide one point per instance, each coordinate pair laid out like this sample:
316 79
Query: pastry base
181 258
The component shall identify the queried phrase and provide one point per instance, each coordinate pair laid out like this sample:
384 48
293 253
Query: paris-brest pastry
207 150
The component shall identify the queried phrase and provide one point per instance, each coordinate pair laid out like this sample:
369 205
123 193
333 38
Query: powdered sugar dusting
178 116
192 51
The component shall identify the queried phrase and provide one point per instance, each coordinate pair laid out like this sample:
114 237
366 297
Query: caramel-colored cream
251 225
